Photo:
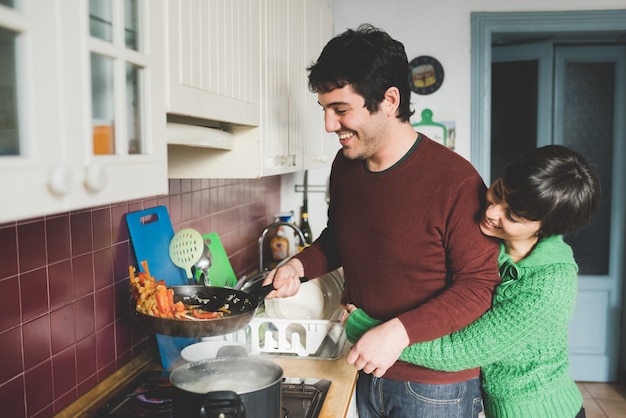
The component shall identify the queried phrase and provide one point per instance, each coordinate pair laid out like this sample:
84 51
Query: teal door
546 93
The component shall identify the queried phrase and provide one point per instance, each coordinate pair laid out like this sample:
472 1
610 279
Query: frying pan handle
263 291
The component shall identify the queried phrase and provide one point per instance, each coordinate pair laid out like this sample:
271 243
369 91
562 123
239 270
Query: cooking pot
242 305
227 387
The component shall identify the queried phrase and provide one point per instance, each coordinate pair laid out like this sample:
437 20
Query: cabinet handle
286 160
95 177
61 180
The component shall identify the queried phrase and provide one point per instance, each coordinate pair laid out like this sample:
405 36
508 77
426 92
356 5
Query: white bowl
210 349
308 303
316 299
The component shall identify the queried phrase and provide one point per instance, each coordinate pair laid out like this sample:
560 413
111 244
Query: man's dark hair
368 59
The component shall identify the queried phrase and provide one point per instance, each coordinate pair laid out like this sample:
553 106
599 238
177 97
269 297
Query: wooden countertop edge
129 371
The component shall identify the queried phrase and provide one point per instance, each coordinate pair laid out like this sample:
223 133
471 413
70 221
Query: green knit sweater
520 343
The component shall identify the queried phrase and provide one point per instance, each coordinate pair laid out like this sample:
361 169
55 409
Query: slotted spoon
186 248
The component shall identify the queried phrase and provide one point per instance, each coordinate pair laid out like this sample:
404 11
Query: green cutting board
221 272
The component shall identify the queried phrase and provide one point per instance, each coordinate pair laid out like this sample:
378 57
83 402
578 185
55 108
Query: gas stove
150 396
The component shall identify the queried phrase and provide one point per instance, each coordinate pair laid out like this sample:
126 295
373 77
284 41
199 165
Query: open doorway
529 56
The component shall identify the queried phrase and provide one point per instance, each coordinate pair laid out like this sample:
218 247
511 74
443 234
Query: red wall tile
10 291
36 337
66 323
31 245
11 363
83 275
60 284
64 372
8 255
62 322
84 317
81 232
38 384
12 398
34 294
58 238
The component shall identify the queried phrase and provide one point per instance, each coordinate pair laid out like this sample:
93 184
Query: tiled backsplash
65 323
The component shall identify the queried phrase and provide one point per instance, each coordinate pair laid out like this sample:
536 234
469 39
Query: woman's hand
346 313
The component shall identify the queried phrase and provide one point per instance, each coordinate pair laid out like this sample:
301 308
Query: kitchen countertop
339 372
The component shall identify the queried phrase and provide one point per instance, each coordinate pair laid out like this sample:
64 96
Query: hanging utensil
186 248
203 265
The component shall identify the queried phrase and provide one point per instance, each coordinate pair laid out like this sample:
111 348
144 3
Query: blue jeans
379 397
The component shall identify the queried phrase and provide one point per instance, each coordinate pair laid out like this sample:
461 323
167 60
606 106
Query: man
403 224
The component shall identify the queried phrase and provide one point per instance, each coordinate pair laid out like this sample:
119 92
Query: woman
521 342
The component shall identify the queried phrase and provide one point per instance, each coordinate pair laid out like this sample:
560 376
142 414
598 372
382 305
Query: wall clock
426 75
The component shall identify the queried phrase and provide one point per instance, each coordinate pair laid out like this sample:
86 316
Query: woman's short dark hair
368 59
554 185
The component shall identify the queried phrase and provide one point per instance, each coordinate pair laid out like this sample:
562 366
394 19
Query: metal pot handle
222 404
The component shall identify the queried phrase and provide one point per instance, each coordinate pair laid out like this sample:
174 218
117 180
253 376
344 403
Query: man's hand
379 348
286 279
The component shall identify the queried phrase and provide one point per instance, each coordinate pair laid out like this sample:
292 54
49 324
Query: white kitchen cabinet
83 118
293 122
213 60
282 42
289 135
319 146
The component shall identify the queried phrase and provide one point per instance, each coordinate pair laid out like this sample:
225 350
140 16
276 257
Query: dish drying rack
300 337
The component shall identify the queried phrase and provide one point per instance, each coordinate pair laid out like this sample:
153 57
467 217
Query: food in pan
155 299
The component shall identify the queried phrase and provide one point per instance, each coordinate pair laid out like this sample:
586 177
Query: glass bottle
304 225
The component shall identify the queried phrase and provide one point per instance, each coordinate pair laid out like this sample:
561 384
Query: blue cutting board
150 233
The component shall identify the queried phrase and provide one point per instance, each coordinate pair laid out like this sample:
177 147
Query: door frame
486 26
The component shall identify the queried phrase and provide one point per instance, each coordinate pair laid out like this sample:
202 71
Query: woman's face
499 221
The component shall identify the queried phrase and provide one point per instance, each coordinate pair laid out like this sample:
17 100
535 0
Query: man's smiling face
360 133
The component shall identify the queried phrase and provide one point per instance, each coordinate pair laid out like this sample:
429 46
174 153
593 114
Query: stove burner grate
155 397
150 395
303 397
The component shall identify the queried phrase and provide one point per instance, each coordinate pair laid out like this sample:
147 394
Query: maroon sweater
410 246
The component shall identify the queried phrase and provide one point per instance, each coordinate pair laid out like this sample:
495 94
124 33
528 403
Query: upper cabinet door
286 37
30 119
283 34
85 118
319 146
213 60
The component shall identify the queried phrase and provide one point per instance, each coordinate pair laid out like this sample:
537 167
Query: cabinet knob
61 180
95 178
283 160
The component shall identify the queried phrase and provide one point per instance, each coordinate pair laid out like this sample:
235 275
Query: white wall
441 29
290 200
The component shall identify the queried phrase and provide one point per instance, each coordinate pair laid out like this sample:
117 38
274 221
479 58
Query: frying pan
242 305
